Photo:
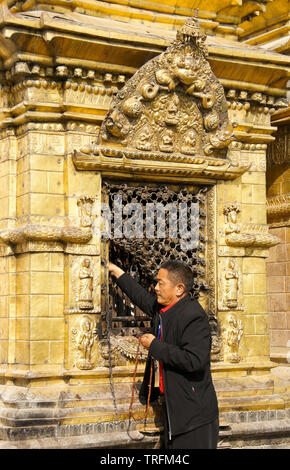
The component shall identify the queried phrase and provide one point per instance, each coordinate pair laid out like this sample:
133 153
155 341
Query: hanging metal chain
108 324
133 387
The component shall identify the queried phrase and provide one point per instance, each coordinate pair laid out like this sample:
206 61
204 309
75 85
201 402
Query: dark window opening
141 256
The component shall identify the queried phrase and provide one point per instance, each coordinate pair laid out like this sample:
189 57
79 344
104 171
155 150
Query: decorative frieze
19 235
144 165
245 99
40 233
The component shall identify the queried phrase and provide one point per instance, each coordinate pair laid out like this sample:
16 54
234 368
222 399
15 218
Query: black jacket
185 353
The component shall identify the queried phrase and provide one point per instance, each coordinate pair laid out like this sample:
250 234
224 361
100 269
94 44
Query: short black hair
178 271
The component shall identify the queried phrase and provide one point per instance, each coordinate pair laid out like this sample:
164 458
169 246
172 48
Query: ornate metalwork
142 257
173 104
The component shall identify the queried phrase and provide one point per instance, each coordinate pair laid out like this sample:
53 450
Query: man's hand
146 340
115 270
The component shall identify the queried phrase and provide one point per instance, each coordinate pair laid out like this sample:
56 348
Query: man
181 344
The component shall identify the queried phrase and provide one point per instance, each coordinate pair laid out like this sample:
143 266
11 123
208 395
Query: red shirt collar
168 307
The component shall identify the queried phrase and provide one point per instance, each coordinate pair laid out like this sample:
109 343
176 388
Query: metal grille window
141 255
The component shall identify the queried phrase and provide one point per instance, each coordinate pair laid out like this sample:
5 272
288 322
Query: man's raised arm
136 293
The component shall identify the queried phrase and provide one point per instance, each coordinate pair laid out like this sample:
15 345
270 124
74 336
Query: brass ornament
123 349
173 105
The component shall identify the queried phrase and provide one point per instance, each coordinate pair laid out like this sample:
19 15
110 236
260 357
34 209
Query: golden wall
60 70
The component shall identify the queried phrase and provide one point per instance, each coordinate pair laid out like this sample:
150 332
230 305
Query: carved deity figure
233 333
86 286
143 141
231 215
85 210
189 146
84 342
171 114
166 144
231 285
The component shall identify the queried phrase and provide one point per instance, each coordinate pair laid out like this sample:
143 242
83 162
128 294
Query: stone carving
233 332
231 216
84 281
85 210
174 104
231 284
143 139
252 235
83 339
86 286
144 163
43 236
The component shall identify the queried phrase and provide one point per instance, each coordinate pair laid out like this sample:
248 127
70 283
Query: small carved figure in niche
231 215
189 146
166 144
86 286
233 333
85 204
171 113
84 342
143 141
231 285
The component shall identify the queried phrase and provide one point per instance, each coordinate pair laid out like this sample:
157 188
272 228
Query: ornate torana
172 110
174 104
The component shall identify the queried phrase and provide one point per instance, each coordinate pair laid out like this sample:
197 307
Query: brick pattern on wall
278 288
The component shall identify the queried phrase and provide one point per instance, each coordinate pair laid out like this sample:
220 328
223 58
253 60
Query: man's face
167 292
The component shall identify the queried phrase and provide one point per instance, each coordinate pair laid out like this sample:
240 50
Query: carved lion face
184 67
